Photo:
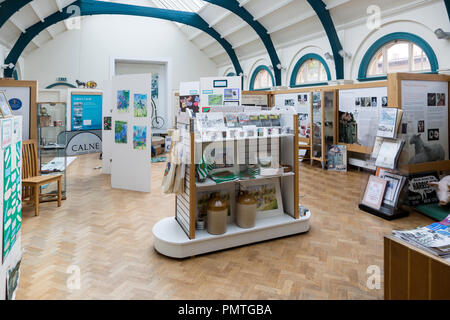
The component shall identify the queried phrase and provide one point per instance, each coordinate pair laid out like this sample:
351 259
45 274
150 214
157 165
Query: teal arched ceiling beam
9 7
241 12
327 22
447 5
91 7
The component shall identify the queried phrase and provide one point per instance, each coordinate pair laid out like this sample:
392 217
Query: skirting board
170 240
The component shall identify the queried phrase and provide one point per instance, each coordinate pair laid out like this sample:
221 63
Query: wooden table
411 273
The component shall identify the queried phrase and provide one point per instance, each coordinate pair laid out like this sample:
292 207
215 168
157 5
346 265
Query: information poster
19 100
220 91
86 111
359 112
253 100
425 120
189 96
302 104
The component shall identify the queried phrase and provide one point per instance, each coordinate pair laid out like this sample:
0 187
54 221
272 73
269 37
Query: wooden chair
31 180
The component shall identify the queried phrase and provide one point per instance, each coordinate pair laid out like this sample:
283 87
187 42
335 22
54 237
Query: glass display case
52 141
323 124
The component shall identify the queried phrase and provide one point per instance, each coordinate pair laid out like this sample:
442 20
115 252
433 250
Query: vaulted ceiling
286 22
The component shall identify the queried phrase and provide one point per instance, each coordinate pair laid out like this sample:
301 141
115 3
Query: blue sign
86 112
15 104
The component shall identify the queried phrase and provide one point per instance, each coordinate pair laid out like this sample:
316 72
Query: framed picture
5 109
393 189
231 94
268 196
220 83
374 194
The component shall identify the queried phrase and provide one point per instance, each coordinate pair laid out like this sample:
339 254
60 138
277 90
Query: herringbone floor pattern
107 234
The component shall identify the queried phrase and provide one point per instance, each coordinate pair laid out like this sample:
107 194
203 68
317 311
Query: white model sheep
443 190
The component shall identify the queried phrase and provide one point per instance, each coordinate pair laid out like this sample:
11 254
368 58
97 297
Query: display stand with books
383 194
209 191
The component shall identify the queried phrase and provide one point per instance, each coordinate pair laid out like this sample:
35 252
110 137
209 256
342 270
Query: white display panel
107 135
189 88
220 91
364 105
131 168
425 120
22 94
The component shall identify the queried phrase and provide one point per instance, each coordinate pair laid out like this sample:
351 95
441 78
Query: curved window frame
254 74
380 43
299 64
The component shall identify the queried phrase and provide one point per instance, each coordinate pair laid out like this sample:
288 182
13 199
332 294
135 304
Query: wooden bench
31 180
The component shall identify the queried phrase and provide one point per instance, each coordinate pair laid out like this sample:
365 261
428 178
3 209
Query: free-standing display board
22 96
131 124
107 127
11 202
256 98
220 91
359 110
85 110
424 101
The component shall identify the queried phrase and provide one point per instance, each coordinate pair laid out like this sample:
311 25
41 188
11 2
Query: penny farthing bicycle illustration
157 121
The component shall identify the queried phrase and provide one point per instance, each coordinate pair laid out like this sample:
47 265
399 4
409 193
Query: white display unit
15 253
178 238
131 168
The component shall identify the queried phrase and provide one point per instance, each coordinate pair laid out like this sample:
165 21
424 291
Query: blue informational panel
86 111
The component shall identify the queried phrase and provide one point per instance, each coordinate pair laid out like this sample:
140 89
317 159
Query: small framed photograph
5 109
268 196
374 194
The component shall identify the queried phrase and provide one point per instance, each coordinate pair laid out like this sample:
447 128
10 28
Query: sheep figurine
443 190
425 152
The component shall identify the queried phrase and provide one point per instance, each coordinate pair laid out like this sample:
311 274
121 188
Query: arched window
397 52
231 74
310 69
262 78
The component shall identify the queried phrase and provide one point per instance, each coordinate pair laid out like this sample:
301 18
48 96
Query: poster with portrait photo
421 126
374 102
384 102
427 139
433 134
358 119
432 99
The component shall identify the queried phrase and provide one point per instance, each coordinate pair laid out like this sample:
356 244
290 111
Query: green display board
12 207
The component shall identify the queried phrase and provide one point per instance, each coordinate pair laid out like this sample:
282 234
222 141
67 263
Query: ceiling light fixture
441 34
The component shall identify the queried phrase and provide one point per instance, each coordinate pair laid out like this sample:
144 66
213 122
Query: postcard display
11 205
220 91
383 192
247 158
131 127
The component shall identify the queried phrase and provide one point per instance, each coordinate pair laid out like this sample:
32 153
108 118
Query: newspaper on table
434 238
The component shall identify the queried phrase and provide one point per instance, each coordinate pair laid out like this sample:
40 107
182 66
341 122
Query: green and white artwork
12 206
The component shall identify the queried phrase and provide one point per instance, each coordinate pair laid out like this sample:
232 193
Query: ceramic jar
217 214
246 210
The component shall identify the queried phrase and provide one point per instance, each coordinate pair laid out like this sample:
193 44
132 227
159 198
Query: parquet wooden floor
107 234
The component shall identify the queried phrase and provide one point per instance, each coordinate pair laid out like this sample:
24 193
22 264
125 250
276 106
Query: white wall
356 38
85 54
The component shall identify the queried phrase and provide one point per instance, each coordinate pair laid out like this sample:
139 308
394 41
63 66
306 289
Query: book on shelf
434 238
244 119
265 121
254 120
389 153
232 120
395 184
390 119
